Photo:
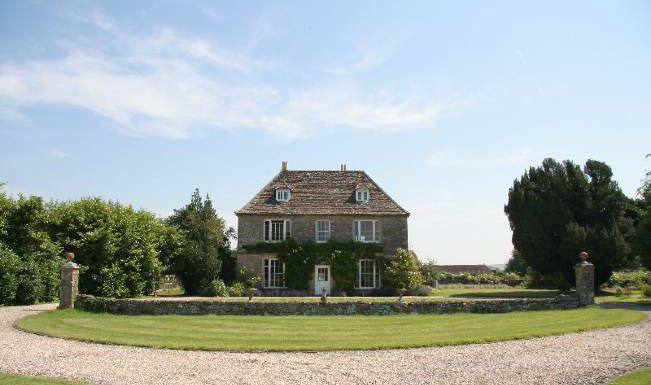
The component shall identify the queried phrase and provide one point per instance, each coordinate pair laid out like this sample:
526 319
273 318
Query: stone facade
393 228
392 233
221 307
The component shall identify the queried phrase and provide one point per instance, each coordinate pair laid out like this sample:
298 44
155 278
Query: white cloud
56 153
446 160
166 84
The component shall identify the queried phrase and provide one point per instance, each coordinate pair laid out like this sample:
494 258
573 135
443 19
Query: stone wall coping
221 307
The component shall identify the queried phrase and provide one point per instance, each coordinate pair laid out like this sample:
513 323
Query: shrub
248 277
114 244
403 271
29 284
26 281
50 276
647 291
236 289
511 279
30 258
422 290
9 267
113 282
635 280
217 288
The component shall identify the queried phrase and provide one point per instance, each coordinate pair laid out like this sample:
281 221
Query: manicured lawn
636 296
174 292
496 293
280 333
11 379
640 377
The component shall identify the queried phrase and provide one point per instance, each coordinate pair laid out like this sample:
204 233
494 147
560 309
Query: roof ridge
322 192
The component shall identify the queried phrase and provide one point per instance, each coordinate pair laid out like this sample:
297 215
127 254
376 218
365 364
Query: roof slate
323 193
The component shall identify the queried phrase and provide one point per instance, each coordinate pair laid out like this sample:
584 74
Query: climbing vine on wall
300 259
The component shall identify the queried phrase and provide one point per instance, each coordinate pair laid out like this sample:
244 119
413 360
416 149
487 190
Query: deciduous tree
198 263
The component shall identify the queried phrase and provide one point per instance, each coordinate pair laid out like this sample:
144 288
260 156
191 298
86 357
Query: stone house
319 206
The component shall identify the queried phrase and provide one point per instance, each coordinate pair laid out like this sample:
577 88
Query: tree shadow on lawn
641 306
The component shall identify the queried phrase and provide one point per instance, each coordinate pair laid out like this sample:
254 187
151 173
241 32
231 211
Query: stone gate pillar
584 280
69 281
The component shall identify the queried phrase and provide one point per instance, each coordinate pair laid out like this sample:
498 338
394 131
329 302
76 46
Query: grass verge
12 379
639 377
496 293
310 333
635 296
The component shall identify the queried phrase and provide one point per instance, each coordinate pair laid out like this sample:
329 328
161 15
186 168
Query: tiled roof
322 192
472 269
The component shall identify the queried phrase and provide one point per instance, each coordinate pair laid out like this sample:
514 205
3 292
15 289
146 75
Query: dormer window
283 194
361 195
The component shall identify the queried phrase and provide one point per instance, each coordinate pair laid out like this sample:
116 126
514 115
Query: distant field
496 293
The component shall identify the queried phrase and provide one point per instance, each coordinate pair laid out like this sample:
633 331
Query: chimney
284 166
343 167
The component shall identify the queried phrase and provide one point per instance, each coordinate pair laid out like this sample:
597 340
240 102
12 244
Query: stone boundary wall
194 307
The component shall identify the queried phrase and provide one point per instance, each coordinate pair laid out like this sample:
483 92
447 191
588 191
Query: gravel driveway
591 357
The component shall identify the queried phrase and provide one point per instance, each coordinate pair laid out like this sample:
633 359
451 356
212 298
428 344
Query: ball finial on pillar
583 256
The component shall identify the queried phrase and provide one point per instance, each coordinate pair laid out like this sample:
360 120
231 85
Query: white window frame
358 235
283 194
376 274
362 195
287 224
328 233
267 274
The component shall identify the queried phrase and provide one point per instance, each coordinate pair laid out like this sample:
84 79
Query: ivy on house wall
299 259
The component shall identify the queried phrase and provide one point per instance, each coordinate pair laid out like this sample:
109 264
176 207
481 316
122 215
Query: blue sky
442 103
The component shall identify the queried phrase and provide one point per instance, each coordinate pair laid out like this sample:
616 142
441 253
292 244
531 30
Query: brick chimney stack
284 166
343 167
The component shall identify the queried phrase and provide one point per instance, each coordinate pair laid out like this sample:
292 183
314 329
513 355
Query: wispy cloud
520 55
447 160
171 85
57 153
369 57
525 63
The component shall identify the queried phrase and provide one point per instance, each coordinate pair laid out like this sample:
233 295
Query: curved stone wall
220 307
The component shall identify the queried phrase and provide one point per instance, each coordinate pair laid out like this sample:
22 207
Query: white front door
321 279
